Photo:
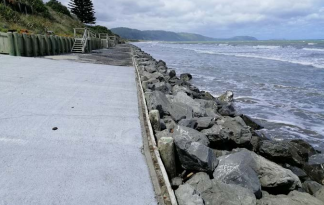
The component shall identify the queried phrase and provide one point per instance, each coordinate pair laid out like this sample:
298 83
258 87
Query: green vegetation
58 7
59 23
52 16
39 7
83 9
133 34
100 29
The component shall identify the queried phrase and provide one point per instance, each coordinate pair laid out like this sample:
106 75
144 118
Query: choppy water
279 83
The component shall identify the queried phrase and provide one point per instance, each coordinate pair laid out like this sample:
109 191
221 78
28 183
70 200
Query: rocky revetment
214 155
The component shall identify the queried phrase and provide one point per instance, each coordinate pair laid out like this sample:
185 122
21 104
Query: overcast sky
264 19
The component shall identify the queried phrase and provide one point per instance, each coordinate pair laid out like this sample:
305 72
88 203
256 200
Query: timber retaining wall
32 45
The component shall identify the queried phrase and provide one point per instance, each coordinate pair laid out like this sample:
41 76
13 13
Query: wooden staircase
78 46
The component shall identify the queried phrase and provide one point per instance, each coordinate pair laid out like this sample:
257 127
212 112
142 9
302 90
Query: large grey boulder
213 134
156 100
311 187
315 168
214 192
320 194
179 111
191 123
187 195
239 169
167 152
227 110
194 155
227 194
189 134
293 198
182 97
236 131
205 122
284 152
200 182
161 86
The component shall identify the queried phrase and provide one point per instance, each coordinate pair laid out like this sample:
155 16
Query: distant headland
158 35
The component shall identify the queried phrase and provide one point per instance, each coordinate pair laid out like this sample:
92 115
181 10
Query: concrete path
94 157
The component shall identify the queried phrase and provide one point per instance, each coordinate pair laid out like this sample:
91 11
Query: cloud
217 18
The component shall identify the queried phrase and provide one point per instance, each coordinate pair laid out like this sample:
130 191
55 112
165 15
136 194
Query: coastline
198 135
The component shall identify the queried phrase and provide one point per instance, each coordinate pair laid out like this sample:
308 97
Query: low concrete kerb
168 193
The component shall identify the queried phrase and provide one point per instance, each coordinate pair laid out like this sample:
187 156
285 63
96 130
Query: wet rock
251 123
227 97
172 73
320 194
187 195
186 76
284 152
206 96
205 122
306 150
236 131
294 198
154 117
311 187
239 169
194 155
227 110
167 152
315 168
191 123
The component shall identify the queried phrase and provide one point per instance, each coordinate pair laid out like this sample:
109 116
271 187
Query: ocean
278 83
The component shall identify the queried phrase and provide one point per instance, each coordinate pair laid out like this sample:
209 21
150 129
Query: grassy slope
60 24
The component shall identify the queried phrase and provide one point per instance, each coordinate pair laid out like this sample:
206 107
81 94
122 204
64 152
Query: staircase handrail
84 39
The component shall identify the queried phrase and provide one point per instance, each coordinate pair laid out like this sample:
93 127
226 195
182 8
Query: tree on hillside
83 9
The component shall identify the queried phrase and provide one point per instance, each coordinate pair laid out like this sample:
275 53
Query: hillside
40 19
134 34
